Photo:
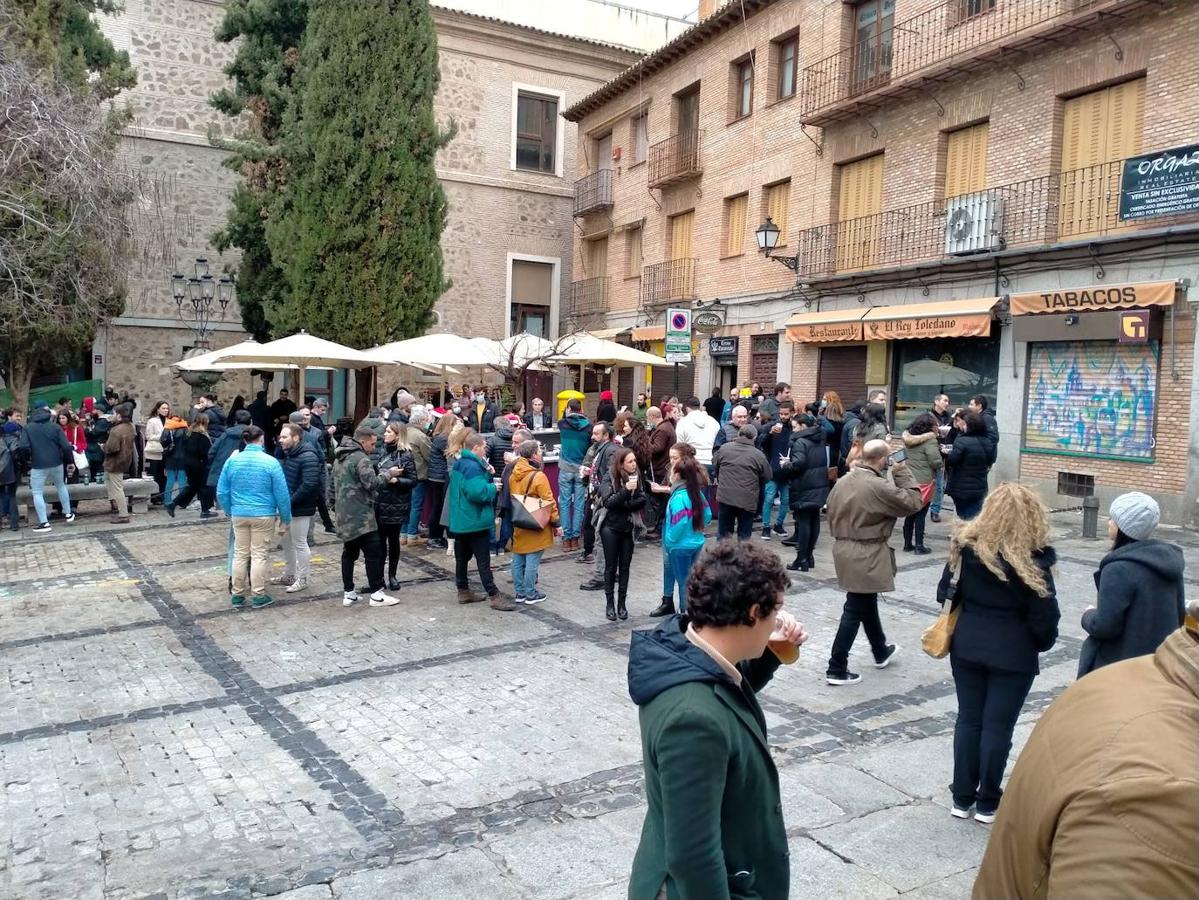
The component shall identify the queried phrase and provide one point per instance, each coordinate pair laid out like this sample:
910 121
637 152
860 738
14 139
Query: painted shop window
536 132
956 367
1092 398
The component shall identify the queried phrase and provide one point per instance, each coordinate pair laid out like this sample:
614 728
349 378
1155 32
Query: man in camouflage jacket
354 485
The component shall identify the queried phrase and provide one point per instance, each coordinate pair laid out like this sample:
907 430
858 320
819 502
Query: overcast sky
680 8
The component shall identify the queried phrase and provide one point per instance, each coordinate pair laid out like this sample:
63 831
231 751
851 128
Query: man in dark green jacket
355 484
471 497
714 828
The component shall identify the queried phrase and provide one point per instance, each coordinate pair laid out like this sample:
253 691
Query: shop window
957 367
1092 398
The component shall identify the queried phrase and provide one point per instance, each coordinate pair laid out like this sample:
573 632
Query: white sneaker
958 813
348 598
378 598
69 519
296 586
984 818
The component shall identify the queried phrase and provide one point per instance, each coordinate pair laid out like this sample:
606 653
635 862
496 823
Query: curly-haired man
714 826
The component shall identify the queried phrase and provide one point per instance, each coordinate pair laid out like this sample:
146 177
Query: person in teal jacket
687 512
471 497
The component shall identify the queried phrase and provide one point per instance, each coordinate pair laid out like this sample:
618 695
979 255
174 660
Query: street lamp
768 238
201 300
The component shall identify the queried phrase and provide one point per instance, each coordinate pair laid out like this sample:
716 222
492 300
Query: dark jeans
478 545
968 507
588 530
989 701
196 487
8 504
859 609
436 529
159 471
390 535
322 508
731 519
505 532
913 528
618 559
807 530
370 545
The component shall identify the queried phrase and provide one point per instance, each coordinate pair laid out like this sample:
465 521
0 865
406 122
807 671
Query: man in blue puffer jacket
253 490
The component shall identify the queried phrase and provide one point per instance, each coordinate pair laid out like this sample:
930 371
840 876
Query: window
743 88
686 108
859 200
776 199
536 133
969 8
1098 130
681 229
873 21
640 137
532 295
603 153
952 366
632 252
597 257
788 68
966 160
735 209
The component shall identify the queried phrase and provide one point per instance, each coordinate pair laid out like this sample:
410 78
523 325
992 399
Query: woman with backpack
807 468
196 445
439 475
687 512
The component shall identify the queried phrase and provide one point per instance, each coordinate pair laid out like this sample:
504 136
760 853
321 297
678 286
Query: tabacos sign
1104 296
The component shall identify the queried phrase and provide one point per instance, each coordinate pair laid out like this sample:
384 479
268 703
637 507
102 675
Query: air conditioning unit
972 223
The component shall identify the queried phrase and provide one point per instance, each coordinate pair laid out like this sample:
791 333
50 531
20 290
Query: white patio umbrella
302 350
584 347
934 373
519 350
437 353
206 362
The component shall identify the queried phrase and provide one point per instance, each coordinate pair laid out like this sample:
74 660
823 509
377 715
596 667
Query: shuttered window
1099 129
632 252
860 199
597 263
776 200
681 227
734 224
966 160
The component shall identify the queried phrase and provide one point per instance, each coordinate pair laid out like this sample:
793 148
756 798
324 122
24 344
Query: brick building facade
926 165
505 219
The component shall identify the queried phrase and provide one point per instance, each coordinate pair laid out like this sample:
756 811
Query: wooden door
603 152
859 202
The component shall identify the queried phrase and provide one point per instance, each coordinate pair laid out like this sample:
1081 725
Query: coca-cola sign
707 322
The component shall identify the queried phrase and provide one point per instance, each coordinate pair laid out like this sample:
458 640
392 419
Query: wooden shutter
734 224
966 160
778 201
1098 130
842 369
632 245
681 225
860 199
599 257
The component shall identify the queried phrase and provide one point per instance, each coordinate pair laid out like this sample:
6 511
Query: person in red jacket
69 423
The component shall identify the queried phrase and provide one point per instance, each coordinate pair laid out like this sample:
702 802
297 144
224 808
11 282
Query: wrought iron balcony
951 38
588 298
676 159
1082 204
667 282
593 193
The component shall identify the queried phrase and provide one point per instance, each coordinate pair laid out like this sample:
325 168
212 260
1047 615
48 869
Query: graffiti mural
1092 397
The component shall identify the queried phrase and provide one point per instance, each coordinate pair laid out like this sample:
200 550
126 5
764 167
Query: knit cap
1135 514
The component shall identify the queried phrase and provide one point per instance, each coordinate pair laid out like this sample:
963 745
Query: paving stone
29 557
45 611
466 873
309 892
907 846
955 887
566 859
815 872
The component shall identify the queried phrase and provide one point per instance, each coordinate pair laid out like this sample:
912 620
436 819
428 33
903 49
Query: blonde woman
439 475
1008 615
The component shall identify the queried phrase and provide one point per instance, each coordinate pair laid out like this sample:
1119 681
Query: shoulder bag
938 636
530 513
833 471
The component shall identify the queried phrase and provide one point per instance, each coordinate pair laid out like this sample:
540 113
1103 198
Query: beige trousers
252 537
114 486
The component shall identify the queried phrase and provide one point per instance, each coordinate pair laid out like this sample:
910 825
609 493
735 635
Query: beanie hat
41 404
403 399
605 395
1135 514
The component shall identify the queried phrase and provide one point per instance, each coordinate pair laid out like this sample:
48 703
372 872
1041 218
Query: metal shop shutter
842 369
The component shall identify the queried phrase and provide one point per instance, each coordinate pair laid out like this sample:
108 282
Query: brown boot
501 603
465 595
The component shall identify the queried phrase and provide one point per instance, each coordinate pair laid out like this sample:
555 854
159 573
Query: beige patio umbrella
303 350
583 348
444 353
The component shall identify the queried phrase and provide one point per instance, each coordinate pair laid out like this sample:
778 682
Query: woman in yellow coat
527 479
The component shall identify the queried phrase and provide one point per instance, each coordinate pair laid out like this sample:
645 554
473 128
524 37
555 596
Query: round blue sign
679 321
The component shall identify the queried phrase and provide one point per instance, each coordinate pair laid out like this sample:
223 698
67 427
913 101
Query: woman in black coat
438 476
969 462
1142 598
621 504
807 469
393 502
1008 614
195 466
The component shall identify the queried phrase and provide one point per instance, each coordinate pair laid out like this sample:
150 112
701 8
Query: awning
649 333
952 318
1096 297
826 327
608 334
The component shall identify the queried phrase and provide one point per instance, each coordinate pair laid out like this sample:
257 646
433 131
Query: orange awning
826 327
950 318
1096 297
649 333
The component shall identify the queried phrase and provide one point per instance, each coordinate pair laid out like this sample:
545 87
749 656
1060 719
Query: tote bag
530 513
938 636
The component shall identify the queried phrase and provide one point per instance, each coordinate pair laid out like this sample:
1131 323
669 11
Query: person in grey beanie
1141 592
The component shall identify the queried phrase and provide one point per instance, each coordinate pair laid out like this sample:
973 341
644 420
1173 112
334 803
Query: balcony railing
588 298
594 192
1077 205
675 159
667 282
901 58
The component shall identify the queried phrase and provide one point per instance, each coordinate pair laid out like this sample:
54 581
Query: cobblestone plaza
156 743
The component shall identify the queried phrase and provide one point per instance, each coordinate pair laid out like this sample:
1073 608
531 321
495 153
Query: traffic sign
678 335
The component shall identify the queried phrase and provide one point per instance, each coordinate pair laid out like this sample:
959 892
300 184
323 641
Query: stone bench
137 491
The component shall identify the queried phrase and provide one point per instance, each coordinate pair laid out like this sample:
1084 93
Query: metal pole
676 380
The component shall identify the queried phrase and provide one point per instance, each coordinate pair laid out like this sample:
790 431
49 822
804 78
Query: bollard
1090 517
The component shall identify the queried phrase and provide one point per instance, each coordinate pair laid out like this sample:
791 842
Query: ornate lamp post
768 238
201 302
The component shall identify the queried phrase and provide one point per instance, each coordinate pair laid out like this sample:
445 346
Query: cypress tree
357 224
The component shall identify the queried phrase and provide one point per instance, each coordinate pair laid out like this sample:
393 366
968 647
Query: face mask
457 409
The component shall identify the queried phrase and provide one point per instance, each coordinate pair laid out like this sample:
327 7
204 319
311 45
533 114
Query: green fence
76 390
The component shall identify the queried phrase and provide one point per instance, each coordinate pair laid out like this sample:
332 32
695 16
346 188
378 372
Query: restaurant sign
1165 183
825 332
966 325
1096 297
